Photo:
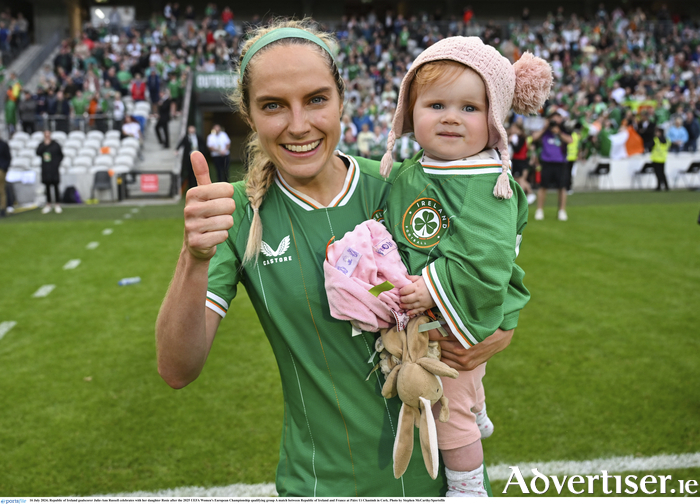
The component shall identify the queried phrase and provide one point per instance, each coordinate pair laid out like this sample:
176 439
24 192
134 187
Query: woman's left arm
468 359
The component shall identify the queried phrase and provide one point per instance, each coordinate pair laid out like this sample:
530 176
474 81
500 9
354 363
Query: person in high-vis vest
659 153
572 150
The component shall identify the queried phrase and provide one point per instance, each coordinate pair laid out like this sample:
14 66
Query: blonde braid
260 176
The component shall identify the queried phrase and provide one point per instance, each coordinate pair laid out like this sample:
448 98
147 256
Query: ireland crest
424 223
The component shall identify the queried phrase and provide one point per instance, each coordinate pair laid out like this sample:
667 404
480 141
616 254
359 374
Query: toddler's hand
415 298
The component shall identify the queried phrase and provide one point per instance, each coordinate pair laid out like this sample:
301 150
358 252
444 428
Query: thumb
200 168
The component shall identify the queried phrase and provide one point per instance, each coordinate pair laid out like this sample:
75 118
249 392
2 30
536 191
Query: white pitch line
72 264
92 245
5 327
107 231
135 210
118 221
237 490
127 216
44 291
613 465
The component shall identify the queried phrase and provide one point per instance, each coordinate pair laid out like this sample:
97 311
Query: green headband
278 34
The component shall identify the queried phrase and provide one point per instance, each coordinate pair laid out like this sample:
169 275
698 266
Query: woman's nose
298 122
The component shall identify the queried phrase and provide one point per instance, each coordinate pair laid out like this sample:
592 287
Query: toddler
457 215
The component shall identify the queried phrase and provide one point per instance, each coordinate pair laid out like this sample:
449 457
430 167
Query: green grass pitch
604 363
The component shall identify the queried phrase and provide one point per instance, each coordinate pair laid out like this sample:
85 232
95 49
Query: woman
270 233
51 156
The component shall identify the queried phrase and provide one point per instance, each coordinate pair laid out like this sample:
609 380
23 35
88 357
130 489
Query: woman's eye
270 106
469 108
317 99
436 106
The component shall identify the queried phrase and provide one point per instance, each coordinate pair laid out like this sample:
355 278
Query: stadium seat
692 173
121 168
599 173
77 170
95 135
93 143
78 135
131 141
112 143
644 172
113 134
70 152
102 181
127 151
103 160
73 144
124 160
36 161
21 135
82 161
22 163
28 153
38 136
32 144
16 144
87 151
59 136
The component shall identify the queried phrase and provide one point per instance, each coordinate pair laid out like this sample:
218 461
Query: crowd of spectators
14 35
631 70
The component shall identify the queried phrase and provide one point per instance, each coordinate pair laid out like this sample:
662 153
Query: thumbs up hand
208 211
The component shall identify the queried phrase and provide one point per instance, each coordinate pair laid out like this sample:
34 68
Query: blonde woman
269 233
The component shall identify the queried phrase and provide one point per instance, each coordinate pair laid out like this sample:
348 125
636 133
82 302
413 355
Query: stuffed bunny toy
413 374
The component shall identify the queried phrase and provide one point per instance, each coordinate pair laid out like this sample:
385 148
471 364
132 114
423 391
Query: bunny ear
417 341
403 445
533 81
428 438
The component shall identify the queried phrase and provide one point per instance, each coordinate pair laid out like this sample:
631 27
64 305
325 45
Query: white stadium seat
103 160
21 135
86 151
78 135
59 136
95 135
82 161
73 144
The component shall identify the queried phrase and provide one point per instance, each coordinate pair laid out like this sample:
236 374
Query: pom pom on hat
533 80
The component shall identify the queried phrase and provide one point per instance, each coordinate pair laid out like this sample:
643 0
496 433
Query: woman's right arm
185 328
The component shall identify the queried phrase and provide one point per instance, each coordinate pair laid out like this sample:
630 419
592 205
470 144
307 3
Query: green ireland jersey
452 230
338 432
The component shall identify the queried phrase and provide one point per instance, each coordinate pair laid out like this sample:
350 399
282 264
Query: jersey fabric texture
453 231
338 432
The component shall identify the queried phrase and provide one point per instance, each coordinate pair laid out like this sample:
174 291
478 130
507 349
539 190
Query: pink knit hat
523 86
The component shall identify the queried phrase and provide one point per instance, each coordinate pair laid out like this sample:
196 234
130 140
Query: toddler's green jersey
452 230
338 432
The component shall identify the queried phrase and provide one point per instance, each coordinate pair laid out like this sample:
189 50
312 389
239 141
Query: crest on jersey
281 249
425 223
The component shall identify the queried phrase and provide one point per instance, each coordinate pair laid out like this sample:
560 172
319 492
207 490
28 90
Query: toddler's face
450 119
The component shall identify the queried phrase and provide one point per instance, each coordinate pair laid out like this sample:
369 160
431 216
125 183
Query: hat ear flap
533 82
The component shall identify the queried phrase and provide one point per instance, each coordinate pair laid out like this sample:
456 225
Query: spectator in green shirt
78 107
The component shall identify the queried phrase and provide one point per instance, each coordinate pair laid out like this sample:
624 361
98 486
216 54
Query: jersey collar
308 203
486 161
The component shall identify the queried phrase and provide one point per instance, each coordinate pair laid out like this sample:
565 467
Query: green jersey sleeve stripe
439 295
215 307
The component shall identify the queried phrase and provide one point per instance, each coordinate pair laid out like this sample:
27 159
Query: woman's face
295 108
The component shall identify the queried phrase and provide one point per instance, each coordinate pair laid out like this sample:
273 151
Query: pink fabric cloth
348 295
